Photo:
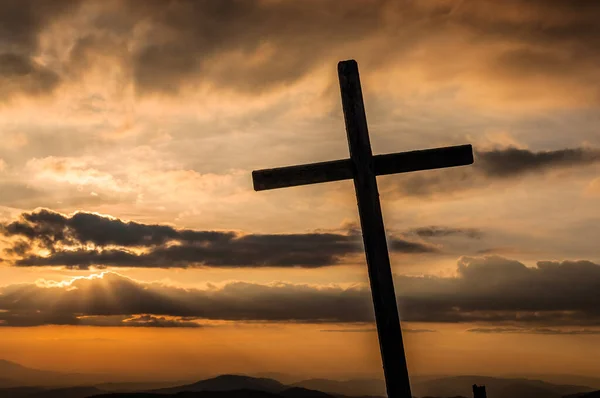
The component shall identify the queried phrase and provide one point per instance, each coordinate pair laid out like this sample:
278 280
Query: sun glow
69 283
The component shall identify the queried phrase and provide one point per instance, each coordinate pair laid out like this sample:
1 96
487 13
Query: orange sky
112 112
301 351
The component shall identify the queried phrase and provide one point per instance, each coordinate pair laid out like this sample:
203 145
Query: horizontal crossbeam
337 170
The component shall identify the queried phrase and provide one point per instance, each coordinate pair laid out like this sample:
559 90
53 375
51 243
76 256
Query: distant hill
459 386
280 377
495 387
36 383
294 392
6 382
19 392
228 383
525 390
71 392
39 392
138 386
590 381
299 392
346 387
593 394
197 394
13 374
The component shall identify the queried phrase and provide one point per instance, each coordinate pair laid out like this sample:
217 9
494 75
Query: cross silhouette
363 168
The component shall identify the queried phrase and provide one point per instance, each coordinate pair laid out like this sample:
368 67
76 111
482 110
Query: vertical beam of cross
373 231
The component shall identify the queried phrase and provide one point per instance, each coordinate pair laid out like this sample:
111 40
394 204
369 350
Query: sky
129 226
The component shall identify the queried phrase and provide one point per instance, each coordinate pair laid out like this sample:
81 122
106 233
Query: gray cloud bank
496 291
491 166
513 162
87 239
21 22
543 331
174 43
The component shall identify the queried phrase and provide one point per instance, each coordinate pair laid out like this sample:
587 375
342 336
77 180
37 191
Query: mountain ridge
239 385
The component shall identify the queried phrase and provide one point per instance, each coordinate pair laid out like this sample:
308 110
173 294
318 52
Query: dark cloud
373 330
28 318
406 246
436 231
363 330
158 321
514 162
499 251
492 290
86 239
19 73
21 22
419 330
489 167
248 45
251 46
113 295
549 38
548 331
496 289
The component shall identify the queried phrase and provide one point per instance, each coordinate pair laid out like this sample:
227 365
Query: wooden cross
363 167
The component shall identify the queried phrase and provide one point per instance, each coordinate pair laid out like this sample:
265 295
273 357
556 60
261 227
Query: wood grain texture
337 170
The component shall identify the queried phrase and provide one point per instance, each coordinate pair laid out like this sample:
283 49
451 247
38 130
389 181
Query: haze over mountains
13 374
18 381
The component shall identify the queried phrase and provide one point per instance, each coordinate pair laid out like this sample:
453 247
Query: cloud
161 322
548 331
206 41
87 239
531 48
143 320
278 42
520 49
513 162
363 330
17 193
495 291
405 246
437 231
21 23
374 330
88 300
80 172
20 74
491 166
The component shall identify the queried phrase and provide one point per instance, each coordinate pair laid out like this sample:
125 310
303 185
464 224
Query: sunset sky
129 227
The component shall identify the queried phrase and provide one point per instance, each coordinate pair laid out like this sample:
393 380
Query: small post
478 391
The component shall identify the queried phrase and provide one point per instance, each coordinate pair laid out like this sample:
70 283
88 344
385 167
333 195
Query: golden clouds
79 172
476 294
